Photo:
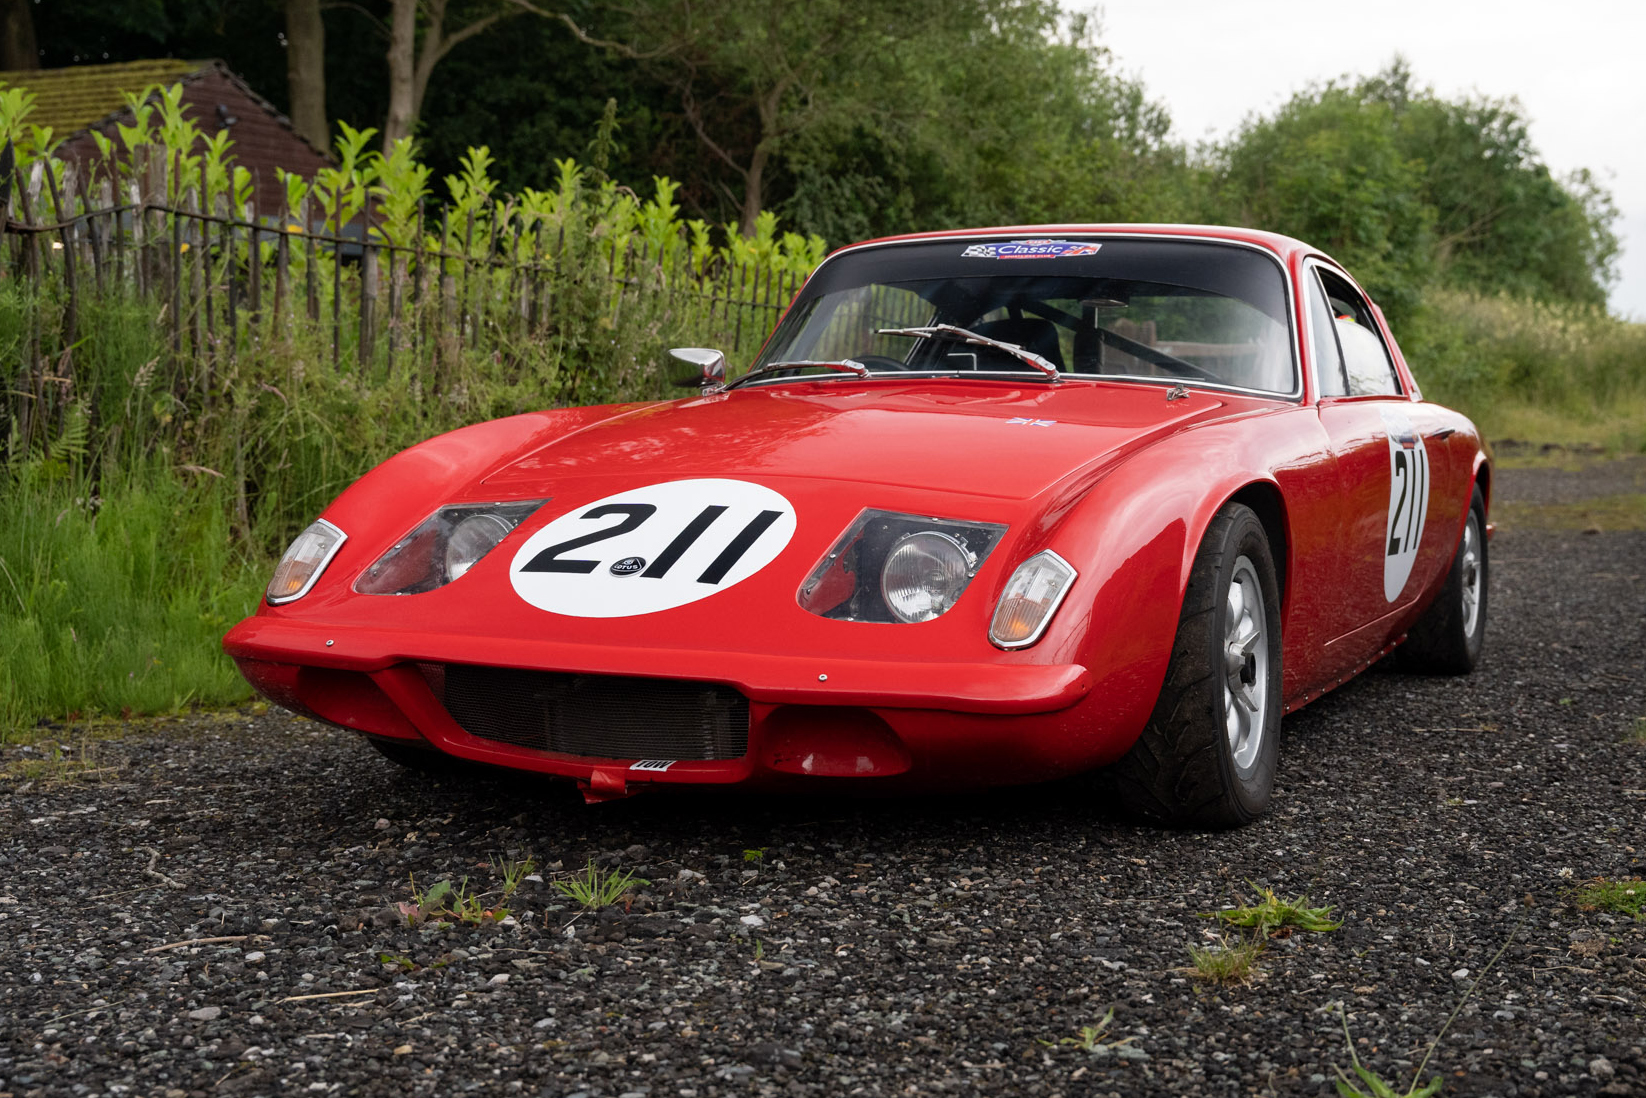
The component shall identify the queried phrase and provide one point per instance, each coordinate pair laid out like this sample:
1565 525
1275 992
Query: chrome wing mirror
711 365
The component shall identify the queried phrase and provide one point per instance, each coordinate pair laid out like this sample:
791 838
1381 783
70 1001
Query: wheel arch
1267 502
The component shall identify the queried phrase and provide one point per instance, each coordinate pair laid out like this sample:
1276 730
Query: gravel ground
831 947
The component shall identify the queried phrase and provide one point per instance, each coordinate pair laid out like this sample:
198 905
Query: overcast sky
1578 69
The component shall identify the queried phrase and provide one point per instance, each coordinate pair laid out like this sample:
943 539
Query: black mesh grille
598 716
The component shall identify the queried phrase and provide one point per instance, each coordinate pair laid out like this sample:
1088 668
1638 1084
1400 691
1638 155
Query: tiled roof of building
73 98
75 101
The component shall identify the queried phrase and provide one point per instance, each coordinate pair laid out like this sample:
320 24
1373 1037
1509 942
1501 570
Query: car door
1388 539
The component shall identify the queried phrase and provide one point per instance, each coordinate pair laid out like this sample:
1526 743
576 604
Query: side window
1329 377
1366 362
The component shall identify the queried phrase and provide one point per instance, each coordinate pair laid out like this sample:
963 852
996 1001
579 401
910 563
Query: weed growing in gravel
1271 913
1094 1039
56 762
757 854
514 872
1377 1086
405 963
444 900
596 888
1637 734
1622 897
1224 963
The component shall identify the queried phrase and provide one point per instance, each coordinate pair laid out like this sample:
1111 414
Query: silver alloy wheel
1472 575
1246 665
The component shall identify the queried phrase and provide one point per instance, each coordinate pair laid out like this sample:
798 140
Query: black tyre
1207 756
1451 634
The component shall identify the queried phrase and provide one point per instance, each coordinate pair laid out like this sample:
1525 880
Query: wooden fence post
71 319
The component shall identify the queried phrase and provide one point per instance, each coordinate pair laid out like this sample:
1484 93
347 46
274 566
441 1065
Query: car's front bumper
921 723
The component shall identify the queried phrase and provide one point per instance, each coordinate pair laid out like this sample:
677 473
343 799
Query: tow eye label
652 548
1408 502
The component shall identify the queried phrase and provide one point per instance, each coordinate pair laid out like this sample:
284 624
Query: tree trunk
306 71
18 49
752 189
402 72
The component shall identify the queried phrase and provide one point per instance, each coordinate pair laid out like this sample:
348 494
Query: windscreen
1198 313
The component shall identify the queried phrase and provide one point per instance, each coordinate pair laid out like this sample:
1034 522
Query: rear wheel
1451 634
1207 756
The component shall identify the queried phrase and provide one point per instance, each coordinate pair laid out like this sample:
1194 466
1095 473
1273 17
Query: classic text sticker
1031 249
652 548
1408 502
658 765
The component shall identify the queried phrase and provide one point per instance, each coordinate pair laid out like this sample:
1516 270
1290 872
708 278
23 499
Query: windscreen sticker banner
1408 502
652 548
1031 249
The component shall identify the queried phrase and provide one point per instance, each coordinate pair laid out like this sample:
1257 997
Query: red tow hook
605 784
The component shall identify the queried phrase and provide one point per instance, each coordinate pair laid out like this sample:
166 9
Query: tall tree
755 77
419 38
306 70
17 45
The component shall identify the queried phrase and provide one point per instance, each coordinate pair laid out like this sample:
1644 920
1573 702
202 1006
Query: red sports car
991 506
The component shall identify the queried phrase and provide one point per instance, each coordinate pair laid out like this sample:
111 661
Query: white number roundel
1408 502
652 548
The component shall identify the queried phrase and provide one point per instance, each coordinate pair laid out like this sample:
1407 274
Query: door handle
1442 433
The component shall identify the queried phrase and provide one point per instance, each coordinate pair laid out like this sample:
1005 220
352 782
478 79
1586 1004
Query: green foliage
1489 355
1272 913
1225 963
594 888
1406 188
1624 897
449 901
114 591
1376 1085
1093 1039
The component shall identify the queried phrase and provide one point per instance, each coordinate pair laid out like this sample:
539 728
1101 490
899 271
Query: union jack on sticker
1031 249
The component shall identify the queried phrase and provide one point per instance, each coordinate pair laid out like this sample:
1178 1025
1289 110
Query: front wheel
1207 756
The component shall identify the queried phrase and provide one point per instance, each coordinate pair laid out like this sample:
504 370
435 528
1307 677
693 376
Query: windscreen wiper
950 331
840 365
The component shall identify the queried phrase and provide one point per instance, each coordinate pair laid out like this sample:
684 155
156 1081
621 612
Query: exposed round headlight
924 575
473 538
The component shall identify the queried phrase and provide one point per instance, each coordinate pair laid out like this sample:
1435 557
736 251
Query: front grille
596 716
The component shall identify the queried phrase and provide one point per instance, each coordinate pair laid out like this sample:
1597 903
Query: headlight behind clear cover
305 559
892 567
443 547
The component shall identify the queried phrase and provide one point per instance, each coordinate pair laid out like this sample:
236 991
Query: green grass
1093 1039
593 887
113 599
1621 897
1637 734
1604 513
1271 913
1537 371
1225 963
